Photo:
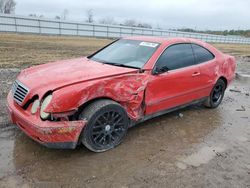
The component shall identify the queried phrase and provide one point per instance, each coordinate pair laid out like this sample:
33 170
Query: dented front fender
128 90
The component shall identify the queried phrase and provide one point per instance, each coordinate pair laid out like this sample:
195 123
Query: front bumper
60 135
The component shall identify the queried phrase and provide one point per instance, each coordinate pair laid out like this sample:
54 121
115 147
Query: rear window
202 55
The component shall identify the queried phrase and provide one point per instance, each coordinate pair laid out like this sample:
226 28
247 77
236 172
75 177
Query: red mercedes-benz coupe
94 100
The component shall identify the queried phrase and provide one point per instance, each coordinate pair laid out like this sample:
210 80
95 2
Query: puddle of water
181 165
242 139
203 156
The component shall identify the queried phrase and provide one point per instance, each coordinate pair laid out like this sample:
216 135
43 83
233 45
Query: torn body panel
127 89
229 68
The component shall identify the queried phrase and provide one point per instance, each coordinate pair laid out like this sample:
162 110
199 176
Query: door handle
196 74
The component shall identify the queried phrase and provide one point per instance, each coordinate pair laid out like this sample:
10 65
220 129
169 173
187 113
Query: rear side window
202 55
175 57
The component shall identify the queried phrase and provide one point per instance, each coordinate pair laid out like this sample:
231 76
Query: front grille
19 92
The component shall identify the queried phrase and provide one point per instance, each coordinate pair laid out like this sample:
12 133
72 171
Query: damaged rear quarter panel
128 90
229 67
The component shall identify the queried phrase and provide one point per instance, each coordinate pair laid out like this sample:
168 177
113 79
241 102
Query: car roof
167 41
161 40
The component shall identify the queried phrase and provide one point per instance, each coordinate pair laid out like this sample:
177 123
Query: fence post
107 31
39 25
93 30
60 32
77 29
15 24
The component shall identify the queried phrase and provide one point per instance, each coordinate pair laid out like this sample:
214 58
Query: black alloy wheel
216 95
107 125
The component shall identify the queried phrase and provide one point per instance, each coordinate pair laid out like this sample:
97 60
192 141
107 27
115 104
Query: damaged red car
94 100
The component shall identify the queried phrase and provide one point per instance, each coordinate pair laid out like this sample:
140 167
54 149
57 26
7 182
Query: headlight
35 106
44 105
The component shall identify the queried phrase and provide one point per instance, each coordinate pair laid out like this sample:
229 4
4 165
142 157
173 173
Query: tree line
239 32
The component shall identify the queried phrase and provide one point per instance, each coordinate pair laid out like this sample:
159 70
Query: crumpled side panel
229 67
127 89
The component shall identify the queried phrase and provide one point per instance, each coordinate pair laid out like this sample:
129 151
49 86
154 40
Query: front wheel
216 95
107 125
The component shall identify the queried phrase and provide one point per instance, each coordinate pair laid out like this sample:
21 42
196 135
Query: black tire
107 125
216 95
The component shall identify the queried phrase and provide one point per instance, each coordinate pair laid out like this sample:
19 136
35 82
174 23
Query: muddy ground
193 147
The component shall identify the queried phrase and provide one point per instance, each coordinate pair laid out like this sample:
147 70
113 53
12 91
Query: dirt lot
25 50
194 147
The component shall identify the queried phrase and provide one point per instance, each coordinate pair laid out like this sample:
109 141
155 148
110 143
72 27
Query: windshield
127 53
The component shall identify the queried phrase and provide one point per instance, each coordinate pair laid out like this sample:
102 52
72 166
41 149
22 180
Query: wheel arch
224 80
84 105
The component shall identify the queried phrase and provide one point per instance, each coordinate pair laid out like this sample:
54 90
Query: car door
208 67
175 79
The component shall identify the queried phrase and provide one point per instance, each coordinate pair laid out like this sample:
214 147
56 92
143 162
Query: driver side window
175 57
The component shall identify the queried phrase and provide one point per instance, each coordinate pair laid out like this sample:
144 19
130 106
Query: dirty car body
141 77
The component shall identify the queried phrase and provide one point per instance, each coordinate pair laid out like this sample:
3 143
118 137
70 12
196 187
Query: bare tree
7 6
144 25
36 16
107 20
65 14
134 23
158 26
57 17
90 16
2 3
130 23
32 15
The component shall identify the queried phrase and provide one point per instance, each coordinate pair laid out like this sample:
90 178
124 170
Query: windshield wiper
114 64
120 65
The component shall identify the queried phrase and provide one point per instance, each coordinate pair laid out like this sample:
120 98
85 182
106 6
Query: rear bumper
61 135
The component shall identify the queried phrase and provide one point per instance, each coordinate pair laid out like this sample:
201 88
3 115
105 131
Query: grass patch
27 50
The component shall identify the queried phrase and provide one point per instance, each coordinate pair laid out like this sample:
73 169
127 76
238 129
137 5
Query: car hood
51 76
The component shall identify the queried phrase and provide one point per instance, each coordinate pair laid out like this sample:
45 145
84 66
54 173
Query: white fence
23 24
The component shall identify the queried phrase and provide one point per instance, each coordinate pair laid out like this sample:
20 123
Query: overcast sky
199 14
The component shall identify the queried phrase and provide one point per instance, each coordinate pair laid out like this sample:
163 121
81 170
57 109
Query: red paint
77 81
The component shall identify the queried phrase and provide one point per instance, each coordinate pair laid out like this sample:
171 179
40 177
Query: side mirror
158 70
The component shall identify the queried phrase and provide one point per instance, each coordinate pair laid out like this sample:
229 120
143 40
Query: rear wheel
107 125
216 95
